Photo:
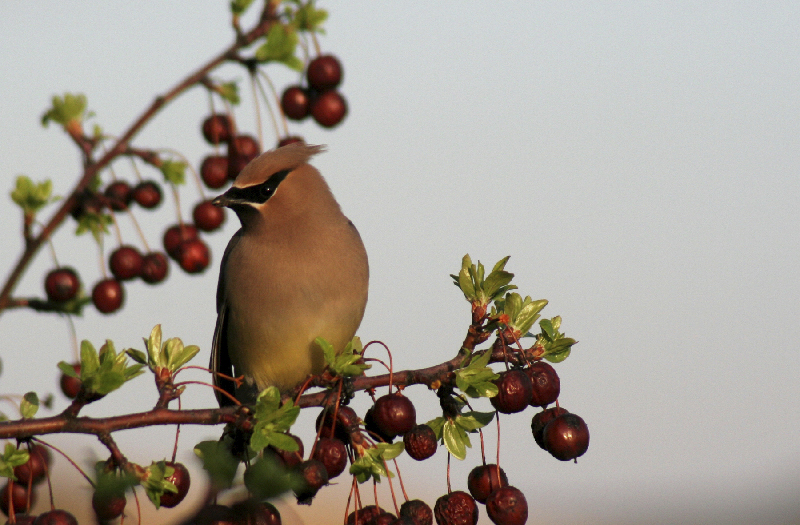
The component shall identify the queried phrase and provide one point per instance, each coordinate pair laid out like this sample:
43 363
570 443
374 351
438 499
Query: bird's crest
286 158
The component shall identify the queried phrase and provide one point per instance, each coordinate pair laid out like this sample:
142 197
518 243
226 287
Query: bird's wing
220 360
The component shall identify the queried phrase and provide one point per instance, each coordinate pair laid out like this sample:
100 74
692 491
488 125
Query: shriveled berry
314 476
507 506
485 479
295 102
418 511
566 437
540 420
420 442
217 128
456 508
208 217
329 108
324 72
290 459
364 514
214 171
108 295
514 392
384 518
177 234
332 453
545 382
125 263
154 267
394 414
181 479
61 284
147 194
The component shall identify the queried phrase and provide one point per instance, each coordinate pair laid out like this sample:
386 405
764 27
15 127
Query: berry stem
277 102
400 479
189 165
497 416
73 333
254 89
449 490
177 435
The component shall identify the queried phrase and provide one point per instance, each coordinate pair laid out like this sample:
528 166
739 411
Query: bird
296 270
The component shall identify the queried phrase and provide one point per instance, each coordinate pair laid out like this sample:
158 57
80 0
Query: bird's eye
266 191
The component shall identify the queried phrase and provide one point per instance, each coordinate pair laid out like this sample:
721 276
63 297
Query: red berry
217 128
324 72
61 284
194 256
87 202
208 217
290 459
313 476
394 414
119 194
108 296
180 478
241 150
485 479
295 103
566 437
507 506
285 141
514 392
347 421
23 519
252 512
329 108
56 517
125 263
176 235
154 267
332 453
456 508
545 382
18 494
540 421
417 511
108 505
36 467
364 514
420 442
70 386
214 171
147 194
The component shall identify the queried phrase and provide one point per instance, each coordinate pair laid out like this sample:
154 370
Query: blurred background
639 161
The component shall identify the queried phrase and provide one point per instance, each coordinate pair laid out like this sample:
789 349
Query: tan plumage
296 270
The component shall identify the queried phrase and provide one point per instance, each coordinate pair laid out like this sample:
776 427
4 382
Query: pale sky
639 161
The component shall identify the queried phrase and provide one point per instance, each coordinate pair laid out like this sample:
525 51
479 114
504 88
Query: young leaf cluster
65 110
454 432
174 171
347 363
102 371
32 196
522 313
556 346
170 355
273 420
479 288
12 457
372 463
475 379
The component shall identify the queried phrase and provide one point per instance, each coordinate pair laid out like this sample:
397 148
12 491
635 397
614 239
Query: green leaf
345 364
309 18
95 223
29 405
137 355
437 425
155 482
271 418
240 6
104 371
268 478
174 171
30 196
218 461
68 369
66 109
452 437
12 457
230 92
280 46
475 379
371 465
472 421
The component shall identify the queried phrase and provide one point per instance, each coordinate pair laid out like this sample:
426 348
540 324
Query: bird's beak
221 200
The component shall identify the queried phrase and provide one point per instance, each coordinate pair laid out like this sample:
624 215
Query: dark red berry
22 519
108 505
125 263
252 512
384 518
214 514
208 217
241 150
566 437
179 478
177 234
56 517
87 202
347 421
295 102
119 194
372 427
313 476
420 442
418 511
514 392
214 171
332 453
456 508
329 108
545 382
61 284
147 194
324 72
108 296
292 139
217 128
364 514
540 420
35 469
485 479
194 256
18 494
154 267
394 414
70 386
290 459
507 506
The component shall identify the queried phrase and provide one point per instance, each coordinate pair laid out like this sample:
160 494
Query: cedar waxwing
296 270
